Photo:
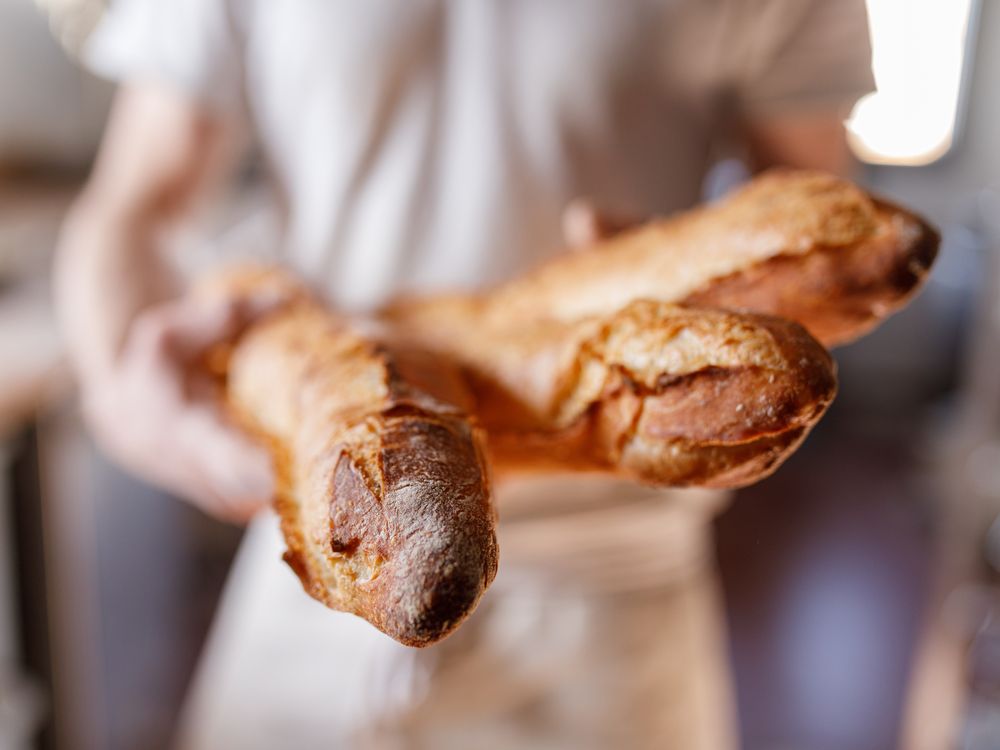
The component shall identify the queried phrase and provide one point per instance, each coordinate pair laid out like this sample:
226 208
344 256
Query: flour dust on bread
667 354
655 392
384 491
800 245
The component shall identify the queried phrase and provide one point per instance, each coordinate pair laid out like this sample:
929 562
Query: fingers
161 416
186 328
583 225
579 224
233 476
188 448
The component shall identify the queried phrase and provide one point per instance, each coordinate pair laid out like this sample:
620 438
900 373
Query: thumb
583 225
189 326
580 224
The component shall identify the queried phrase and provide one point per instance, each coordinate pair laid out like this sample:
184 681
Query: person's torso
432 144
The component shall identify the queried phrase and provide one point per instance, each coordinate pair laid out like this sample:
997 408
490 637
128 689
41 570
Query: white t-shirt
428 144
420 144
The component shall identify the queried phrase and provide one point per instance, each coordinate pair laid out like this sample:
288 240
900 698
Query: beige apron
603 629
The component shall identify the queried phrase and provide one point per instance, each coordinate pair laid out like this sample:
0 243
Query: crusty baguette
582 364
384 491
801 245
838 292
654 392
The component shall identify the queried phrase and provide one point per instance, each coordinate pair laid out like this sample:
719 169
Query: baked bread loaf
384 490
800 245
655 392
589 364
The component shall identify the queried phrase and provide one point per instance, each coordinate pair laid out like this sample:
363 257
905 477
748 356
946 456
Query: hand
583 225
158 413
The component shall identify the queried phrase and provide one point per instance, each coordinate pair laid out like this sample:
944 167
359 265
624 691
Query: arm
132 347
156 153
814 63
806 140
814 141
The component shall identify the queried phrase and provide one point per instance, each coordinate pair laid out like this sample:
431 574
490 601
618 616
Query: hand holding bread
383 486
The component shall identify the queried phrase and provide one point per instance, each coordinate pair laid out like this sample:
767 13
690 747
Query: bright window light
918 53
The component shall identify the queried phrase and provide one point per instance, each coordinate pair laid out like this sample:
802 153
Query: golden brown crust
803 245
837 292
581 364
656 392
384 491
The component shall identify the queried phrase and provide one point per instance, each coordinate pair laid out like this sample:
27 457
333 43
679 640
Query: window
919 50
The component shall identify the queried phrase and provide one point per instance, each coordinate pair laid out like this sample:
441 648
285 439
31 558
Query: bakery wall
924 352
51 111
948 344
897 495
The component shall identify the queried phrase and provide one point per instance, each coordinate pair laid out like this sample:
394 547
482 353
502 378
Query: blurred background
860 581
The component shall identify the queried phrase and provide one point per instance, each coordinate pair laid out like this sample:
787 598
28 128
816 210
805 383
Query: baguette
800 245
384 491
584 364
655 392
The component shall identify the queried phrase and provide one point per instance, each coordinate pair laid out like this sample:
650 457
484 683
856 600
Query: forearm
160 150
800 141
109 267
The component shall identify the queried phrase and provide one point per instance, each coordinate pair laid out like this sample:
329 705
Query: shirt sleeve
802 54
190 44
